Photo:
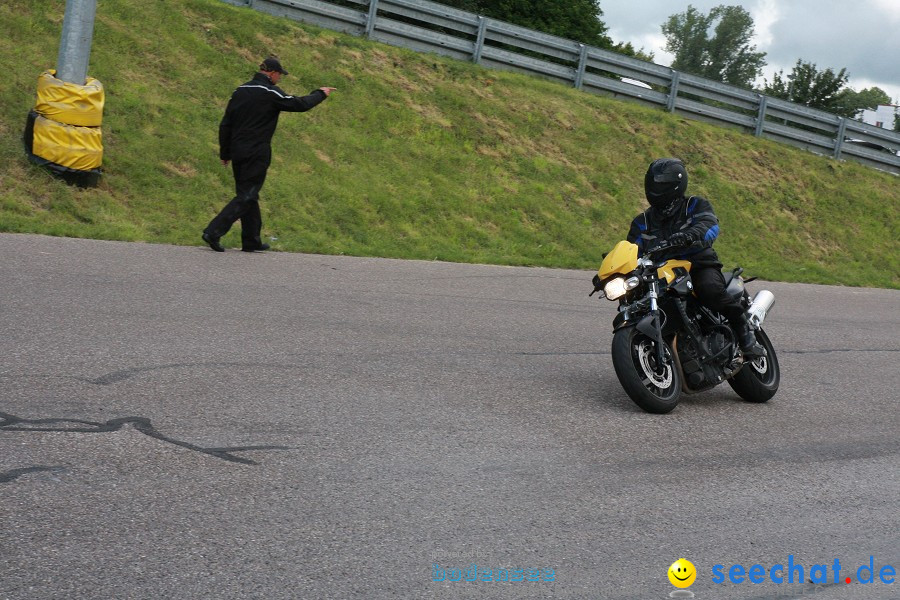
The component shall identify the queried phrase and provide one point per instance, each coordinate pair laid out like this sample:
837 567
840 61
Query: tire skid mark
8 476
10 422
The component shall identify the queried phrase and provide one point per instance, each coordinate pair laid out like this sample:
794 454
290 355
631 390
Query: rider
689 227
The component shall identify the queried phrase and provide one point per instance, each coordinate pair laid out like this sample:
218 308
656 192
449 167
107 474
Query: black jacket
693 215
250 119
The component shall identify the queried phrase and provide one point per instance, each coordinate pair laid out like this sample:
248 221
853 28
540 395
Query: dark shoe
747 339
213 242
749 346
259 248
754 350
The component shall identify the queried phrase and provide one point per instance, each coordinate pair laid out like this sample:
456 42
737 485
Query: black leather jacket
693 215
250 119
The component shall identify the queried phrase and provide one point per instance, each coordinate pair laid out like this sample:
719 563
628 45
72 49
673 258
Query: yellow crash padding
69 103
73 147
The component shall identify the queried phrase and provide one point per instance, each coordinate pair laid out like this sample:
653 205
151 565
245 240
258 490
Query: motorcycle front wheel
655 388
758 380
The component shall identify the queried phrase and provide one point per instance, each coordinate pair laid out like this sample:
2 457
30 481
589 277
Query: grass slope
414 156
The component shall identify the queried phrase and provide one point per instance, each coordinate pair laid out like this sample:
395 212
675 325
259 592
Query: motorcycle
665 343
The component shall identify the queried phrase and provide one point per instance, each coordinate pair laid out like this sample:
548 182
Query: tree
808 86
852 102
628 49
727 56
577 20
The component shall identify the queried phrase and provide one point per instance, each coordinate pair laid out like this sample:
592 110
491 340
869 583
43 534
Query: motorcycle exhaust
760 307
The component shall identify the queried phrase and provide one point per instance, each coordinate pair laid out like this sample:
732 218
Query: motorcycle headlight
616 288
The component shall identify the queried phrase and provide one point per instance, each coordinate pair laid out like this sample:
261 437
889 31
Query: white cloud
765 15
890 8
861 36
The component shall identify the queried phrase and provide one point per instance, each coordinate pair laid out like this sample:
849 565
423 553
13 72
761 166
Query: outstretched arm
302 103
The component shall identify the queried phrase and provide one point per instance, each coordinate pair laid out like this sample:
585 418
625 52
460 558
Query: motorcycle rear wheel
654 388
758 380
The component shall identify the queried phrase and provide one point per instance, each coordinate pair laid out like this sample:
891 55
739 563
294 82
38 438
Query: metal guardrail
431 27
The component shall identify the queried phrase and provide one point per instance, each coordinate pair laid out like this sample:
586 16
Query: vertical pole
839 142
761 116
582 64
373 13
673 91
75 45
479 41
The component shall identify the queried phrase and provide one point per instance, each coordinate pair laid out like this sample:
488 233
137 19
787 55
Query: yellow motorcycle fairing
667 269
622 259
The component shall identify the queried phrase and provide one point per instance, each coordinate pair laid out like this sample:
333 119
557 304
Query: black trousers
249 176
709 286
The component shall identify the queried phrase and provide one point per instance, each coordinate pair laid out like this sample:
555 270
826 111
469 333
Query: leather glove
680 239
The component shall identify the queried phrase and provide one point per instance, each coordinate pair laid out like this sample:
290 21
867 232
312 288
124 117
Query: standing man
245 136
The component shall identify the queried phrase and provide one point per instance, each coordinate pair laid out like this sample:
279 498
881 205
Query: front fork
657 325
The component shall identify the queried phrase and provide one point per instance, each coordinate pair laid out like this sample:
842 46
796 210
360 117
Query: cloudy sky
861 35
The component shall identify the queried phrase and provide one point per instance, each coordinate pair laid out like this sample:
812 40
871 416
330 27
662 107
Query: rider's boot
747 339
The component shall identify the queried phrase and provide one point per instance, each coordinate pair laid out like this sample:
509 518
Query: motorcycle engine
717 344
705 373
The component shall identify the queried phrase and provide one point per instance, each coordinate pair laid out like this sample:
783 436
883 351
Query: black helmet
666 181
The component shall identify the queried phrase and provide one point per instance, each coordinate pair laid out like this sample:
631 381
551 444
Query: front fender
646 326
619 322
644 323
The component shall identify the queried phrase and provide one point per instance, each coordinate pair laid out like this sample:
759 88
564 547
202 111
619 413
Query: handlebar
666 245
663 246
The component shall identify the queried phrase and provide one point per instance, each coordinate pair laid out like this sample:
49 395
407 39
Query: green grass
415 156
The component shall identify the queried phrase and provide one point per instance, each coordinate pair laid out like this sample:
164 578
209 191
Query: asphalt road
178 423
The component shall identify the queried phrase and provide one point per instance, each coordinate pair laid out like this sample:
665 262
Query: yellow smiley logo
682 573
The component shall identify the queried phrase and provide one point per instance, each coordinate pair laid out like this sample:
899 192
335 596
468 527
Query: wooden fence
431 27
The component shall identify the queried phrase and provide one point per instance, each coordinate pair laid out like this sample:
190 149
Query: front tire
758 380
655 388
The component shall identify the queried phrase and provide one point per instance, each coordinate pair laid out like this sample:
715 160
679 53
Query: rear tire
758 380
655 389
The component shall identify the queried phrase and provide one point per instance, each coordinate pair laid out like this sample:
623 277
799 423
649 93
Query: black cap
272 64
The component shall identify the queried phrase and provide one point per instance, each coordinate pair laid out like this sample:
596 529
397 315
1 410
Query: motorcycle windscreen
621 259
